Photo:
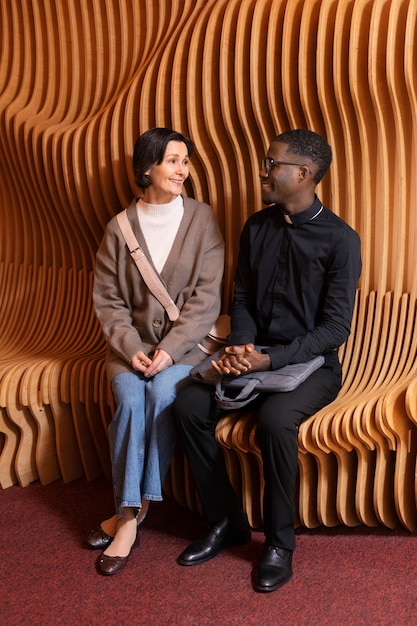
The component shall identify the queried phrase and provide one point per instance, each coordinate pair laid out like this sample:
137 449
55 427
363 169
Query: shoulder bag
235 392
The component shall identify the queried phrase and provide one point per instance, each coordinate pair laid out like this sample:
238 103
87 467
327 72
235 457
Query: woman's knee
166 385
128 389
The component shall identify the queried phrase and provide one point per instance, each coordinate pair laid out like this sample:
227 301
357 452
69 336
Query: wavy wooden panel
78 84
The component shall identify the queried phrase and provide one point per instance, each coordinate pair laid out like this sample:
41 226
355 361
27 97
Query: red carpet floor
341 576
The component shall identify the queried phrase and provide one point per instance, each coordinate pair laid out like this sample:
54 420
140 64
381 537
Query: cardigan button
156 323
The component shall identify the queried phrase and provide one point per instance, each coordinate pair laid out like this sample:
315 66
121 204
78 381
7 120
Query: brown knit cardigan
132 319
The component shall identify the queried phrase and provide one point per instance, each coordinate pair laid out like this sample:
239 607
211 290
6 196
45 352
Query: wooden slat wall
79 82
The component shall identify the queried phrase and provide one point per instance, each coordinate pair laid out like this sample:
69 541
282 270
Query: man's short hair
306 143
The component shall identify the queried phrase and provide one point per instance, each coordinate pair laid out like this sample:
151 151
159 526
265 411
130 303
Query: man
295 289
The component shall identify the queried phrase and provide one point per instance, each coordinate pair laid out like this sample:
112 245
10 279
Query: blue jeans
142 433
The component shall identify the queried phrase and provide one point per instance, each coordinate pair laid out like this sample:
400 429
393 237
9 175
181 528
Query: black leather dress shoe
274 569
214 539
110 565
98 539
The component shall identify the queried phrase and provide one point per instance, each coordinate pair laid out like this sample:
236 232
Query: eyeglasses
268 163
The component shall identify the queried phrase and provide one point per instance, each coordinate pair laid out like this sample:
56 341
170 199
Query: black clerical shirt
295 284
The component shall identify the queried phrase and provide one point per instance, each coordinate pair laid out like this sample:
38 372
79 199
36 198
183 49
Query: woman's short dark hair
306 143
150 149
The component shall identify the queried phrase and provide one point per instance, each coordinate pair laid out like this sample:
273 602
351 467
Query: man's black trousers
279 416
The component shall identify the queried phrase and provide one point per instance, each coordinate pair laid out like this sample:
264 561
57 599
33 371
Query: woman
149 357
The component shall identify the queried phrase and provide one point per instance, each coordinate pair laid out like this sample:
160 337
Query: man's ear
303 173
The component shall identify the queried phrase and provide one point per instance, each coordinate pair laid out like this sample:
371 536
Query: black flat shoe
274 569
98 539
110 565
214 539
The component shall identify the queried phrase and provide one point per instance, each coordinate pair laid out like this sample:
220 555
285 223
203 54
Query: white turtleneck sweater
159 224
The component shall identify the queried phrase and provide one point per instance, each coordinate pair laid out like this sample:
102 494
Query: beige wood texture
78 84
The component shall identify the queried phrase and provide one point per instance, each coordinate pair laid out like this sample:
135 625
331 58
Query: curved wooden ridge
78 83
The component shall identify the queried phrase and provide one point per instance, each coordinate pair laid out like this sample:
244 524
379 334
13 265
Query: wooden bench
217 72
357 456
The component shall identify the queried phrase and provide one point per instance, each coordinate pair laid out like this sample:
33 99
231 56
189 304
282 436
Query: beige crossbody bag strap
152 280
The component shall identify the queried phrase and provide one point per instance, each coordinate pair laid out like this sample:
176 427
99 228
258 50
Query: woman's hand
140 361
240 359
149 367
